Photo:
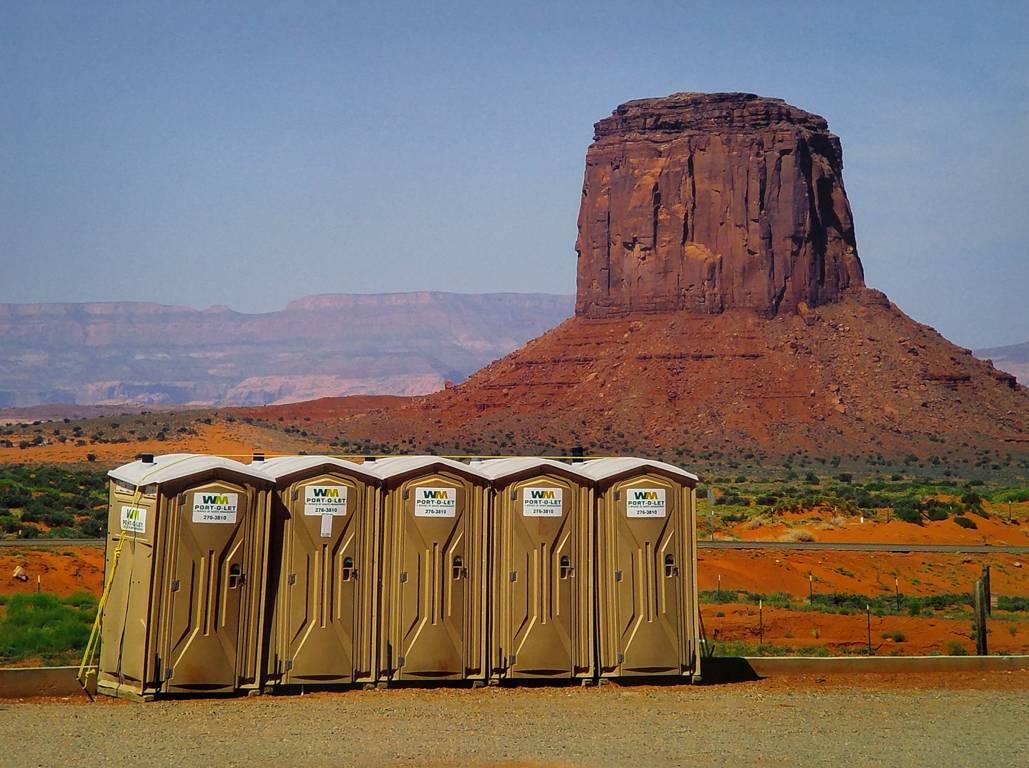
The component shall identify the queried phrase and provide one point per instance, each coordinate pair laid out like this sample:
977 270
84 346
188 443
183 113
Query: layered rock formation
704 202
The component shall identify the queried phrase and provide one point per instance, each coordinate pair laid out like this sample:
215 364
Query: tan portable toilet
433 595
324 571
541 556
187 552
647 609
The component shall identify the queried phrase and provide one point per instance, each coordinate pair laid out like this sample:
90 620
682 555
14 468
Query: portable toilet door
433 597
202 618
325 583
647 617
541 555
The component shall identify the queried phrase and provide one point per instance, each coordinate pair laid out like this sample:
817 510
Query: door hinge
167 673
621 658
287 665
291 579
296 494
406 493
400 661
403 576
618 575
175 585
618 495
514 575
512 659
514 495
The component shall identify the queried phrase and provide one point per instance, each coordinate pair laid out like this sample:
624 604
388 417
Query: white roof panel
174 466
498 469
602 469
394 466
281 466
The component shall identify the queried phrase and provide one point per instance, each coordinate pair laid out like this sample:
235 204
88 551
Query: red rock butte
706 202
721 307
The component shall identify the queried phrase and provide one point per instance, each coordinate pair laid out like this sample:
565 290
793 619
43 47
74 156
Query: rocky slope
319 345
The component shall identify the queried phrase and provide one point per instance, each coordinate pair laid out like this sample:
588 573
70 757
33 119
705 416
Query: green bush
965 522
1006 603
908 510
42 625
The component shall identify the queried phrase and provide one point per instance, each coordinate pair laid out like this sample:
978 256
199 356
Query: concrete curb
25 682
735 668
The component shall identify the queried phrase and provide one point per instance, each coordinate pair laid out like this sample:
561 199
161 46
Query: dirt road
767 723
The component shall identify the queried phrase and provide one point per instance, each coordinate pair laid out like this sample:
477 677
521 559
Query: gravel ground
766 723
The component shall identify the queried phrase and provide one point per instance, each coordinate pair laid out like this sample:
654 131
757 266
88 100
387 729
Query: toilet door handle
459 570
566 568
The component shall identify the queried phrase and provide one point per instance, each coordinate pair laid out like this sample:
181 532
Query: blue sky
249 153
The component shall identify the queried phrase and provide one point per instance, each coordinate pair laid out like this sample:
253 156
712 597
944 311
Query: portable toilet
187 553
647 610
433 578
541 555
323 578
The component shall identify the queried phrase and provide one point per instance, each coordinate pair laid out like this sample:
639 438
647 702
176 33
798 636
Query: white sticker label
326 526
435 502
645 502
541 502
215 507
133 519
325 500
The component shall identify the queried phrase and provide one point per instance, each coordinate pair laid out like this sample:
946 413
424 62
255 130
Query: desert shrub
936 513
1006 603
767 499
92 528
956 648
14 496
845 477
965 522
26 531
799 534
908 509
731 499
811 478
971 499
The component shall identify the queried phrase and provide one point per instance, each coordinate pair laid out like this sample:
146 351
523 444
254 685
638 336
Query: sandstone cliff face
706 202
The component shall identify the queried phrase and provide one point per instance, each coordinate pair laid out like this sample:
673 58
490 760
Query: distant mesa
708 202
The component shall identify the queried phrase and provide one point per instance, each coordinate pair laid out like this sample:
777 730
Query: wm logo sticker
219 500
327 493
541 502
435 502
645 502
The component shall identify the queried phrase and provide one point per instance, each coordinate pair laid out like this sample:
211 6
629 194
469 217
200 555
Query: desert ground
955 720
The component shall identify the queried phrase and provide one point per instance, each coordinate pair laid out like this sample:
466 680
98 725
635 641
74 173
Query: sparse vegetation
45 626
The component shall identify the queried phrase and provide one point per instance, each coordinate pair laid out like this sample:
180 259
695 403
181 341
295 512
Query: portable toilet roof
175 466
395 466
500 469
604 469
284 466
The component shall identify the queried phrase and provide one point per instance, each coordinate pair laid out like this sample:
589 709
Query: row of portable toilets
315 571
